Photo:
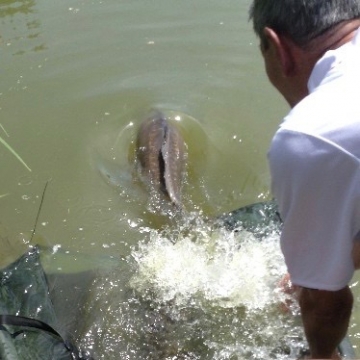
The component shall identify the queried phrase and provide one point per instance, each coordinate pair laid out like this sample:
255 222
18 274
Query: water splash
194 291
228 269
219 287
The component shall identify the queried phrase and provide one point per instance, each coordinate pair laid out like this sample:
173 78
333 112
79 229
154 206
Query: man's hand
289 289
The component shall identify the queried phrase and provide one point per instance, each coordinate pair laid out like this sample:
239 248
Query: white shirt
315 166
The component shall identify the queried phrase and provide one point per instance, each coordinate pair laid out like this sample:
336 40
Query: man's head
294 34
301 20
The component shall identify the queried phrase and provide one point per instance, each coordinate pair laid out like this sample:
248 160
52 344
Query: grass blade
3 129
13 152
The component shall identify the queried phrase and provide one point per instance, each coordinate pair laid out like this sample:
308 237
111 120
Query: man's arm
325 316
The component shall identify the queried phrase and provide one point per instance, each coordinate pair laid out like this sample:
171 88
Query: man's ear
282 49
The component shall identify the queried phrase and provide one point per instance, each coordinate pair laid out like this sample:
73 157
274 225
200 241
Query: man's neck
333 38
307 56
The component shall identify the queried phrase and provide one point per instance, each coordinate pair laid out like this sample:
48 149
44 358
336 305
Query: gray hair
301 20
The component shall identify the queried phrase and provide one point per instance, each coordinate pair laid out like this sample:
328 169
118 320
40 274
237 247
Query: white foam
225 268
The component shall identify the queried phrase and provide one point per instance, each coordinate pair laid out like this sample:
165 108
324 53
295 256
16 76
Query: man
311 50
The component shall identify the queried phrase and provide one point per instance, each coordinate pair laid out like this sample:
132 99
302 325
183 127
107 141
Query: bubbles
193 292
25 180
56 248
132 224
225 268
74 10
218 287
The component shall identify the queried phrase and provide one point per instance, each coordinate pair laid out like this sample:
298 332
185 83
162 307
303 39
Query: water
77 79
196 295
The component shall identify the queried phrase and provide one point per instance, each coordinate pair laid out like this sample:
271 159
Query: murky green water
77 77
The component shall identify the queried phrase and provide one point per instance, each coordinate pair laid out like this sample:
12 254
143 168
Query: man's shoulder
335 118
315 113
295 148
331 130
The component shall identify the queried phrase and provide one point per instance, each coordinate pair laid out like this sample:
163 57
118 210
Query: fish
161 155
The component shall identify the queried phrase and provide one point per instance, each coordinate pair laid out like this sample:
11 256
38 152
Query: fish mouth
162 166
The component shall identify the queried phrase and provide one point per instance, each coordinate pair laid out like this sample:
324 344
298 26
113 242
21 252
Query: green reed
7 146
